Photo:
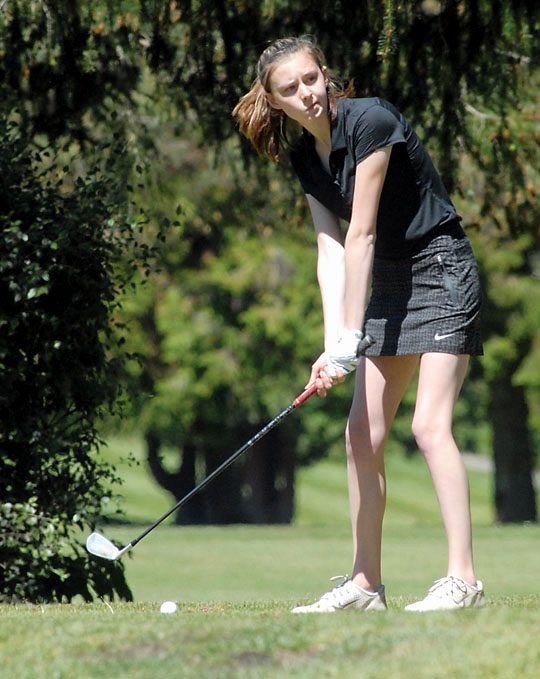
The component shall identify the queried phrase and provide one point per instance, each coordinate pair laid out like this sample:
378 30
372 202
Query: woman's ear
271 101
324 71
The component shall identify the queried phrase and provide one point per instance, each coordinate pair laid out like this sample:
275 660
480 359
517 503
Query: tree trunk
178 483
515 499
259 489
269 480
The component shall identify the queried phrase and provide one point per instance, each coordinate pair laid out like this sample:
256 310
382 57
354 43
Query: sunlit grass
236 641
235 586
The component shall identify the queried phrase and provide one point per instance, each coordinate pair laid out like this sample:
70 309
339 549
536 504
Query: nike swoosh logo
441 337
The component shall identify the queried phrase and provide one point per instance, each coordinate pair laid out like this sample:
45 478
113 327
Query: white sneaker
450 593
346 596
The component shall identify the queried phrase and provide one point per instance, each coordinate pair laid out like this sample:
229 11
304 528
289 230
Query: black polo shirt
413 201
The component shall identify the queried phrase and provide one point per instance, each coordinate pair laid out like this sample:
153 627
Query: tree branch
477 113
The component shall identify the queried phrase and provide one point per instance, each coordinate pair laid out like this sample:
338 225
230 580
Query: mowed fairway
235 587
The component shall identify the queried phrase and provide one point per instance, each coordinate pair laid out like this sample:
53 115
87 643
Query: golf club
99 545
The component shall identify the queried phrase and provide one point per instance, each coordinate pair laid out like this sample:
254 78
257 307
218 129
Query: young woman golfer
359 161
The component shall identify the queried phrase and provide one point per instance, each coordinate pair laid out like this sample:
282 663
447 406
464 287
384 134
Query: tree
57 289
503 206
68 248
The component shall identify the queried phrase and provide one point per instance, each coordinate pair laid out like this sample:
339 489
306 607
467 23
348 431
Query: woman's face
298 88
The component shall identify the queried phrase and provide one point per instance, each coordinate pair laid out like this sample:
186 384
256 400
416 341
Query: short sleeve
376 128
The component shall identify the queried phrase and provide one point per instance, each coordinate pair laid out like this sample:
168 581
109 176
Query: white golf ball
168 607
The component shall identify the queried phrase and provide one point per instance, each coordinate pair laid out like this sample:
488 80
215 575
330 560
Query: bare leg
378 391
439 383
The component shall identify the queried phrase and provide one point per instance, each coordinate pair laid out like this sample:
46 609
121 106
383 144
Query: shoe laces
337 593
449 585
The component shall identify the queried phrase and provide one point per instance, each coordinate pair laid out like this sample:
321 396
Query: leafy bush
59 285
42 562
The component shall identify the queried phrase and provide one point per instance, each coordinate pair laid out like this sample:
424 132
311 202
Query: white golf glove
345 354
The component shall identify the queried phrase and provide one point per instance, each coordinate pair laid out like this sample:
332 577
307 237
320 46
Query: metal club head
98 545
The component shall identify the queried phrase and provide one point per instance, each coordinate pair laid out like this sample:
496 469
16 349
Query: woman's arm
331 278
330 269
344 267
361 235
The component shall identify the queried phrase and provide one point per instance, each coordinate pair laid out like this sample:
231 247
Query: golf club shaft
301 398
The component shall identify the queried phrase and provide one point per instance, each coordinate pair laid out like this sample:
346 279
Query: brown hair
264 126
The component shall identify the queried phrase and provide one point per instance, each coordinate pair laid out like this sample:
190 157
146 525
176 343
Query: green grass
251 640
235 586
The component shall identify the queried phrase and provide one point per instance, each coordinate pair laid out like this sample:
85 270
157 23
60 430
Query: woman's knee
429 433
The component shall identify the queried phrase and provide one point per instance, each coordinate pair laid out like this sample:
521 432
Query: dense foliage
57 291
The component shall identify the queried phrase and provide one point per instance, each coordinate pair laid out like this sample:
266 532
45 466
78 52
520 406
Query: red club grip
364 344
305 395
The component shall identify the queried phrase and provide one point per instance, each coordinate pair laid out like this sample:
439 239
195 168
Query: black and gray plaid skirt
428 302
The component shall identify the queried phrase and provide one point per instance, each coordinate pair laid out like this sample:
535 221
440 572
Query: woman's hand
324 375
